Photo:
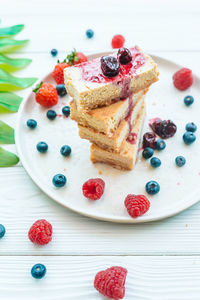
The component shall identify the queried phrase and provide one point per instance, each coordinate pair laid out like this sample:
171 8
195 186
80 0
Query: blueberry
31 123
66 111
155 162
59 180
110 66
191 127
54 52
38 271
2 231
42 147
124 55
147 152
160 144
51 114
152 187
188 100
189 137
180 161
61 90
65 150
89 33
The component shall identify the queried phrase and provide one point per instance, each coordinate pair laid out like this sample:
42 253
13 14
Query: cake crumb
65 169
100 172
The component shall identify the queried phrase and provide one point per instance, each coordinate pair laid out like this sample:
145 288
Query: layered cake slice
127 156
103 80
105 119
113 142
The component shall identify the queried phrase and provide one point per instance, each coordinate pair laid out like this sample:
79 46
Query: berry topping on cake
149 140
132 138
42 147
110 66
57 73
38 271
165 129
188 100
160 145
111 282
93 189
118 41
152 187
155 162
136 205
46 94
40 232
147 152
191 127
124 55
59 180
31 123
189 137
180 161
183 79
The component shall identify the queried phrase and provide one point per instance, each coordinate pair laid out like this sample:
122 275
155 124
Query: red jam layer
91 70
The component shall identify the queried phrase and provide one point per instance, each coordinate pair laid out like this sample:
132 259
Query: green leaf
12 64
6 134
9 45
9 102
11 83
10 31
7 159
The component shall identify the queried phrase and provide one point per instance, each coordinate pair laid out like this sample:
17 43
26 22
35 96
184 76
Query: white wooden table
163 258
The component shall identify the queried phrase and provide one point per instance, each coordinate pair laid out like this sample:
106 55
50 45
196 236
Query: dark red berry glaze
165 129
149 140
93 189
132 138
124 56
109 66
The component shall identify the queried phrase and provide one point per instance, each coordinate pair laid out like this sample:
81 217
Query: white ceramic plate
180 187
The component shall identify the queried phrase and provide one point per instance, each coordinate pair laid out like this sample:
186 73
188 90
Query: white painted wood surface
80 245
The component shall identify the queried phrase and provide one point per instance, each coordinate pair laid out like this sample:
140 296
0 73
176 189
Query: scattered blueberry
66 111
147 152
89 33
31 123
191 127
152 187
180 161
65 150
160 144
189 137
188 100
155 162
54 52
59 180
42 147
61 90
51 114
110 66
2 231
38 271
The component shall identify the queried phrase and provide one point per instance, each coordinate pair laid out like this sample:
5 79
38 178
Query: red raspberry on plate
40 232
93 189
46 94
58 74
183 79
118 41
111 282
136 205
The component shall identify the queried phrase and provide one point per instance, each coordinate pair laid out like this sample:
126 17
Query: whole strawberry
111 282
57 73
136 205
40 232
46 94
75 58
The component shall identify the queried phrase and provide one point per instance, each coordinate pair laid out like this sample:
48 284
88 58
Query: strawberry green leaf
9 45
7 159
9 102
6 134
10 31
11 83
12 64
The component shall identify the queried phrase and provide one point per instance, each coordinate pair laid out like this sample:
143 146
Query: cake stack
108 103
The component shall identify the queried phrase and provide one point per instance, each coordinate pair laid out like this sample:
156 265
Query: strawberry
46 94
57 73
75 58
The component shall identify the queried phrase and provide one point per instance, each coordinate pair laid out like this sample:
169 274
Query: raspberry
93 189
40 232
57 73
118 41
111 282
46 94
136 205
183 79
